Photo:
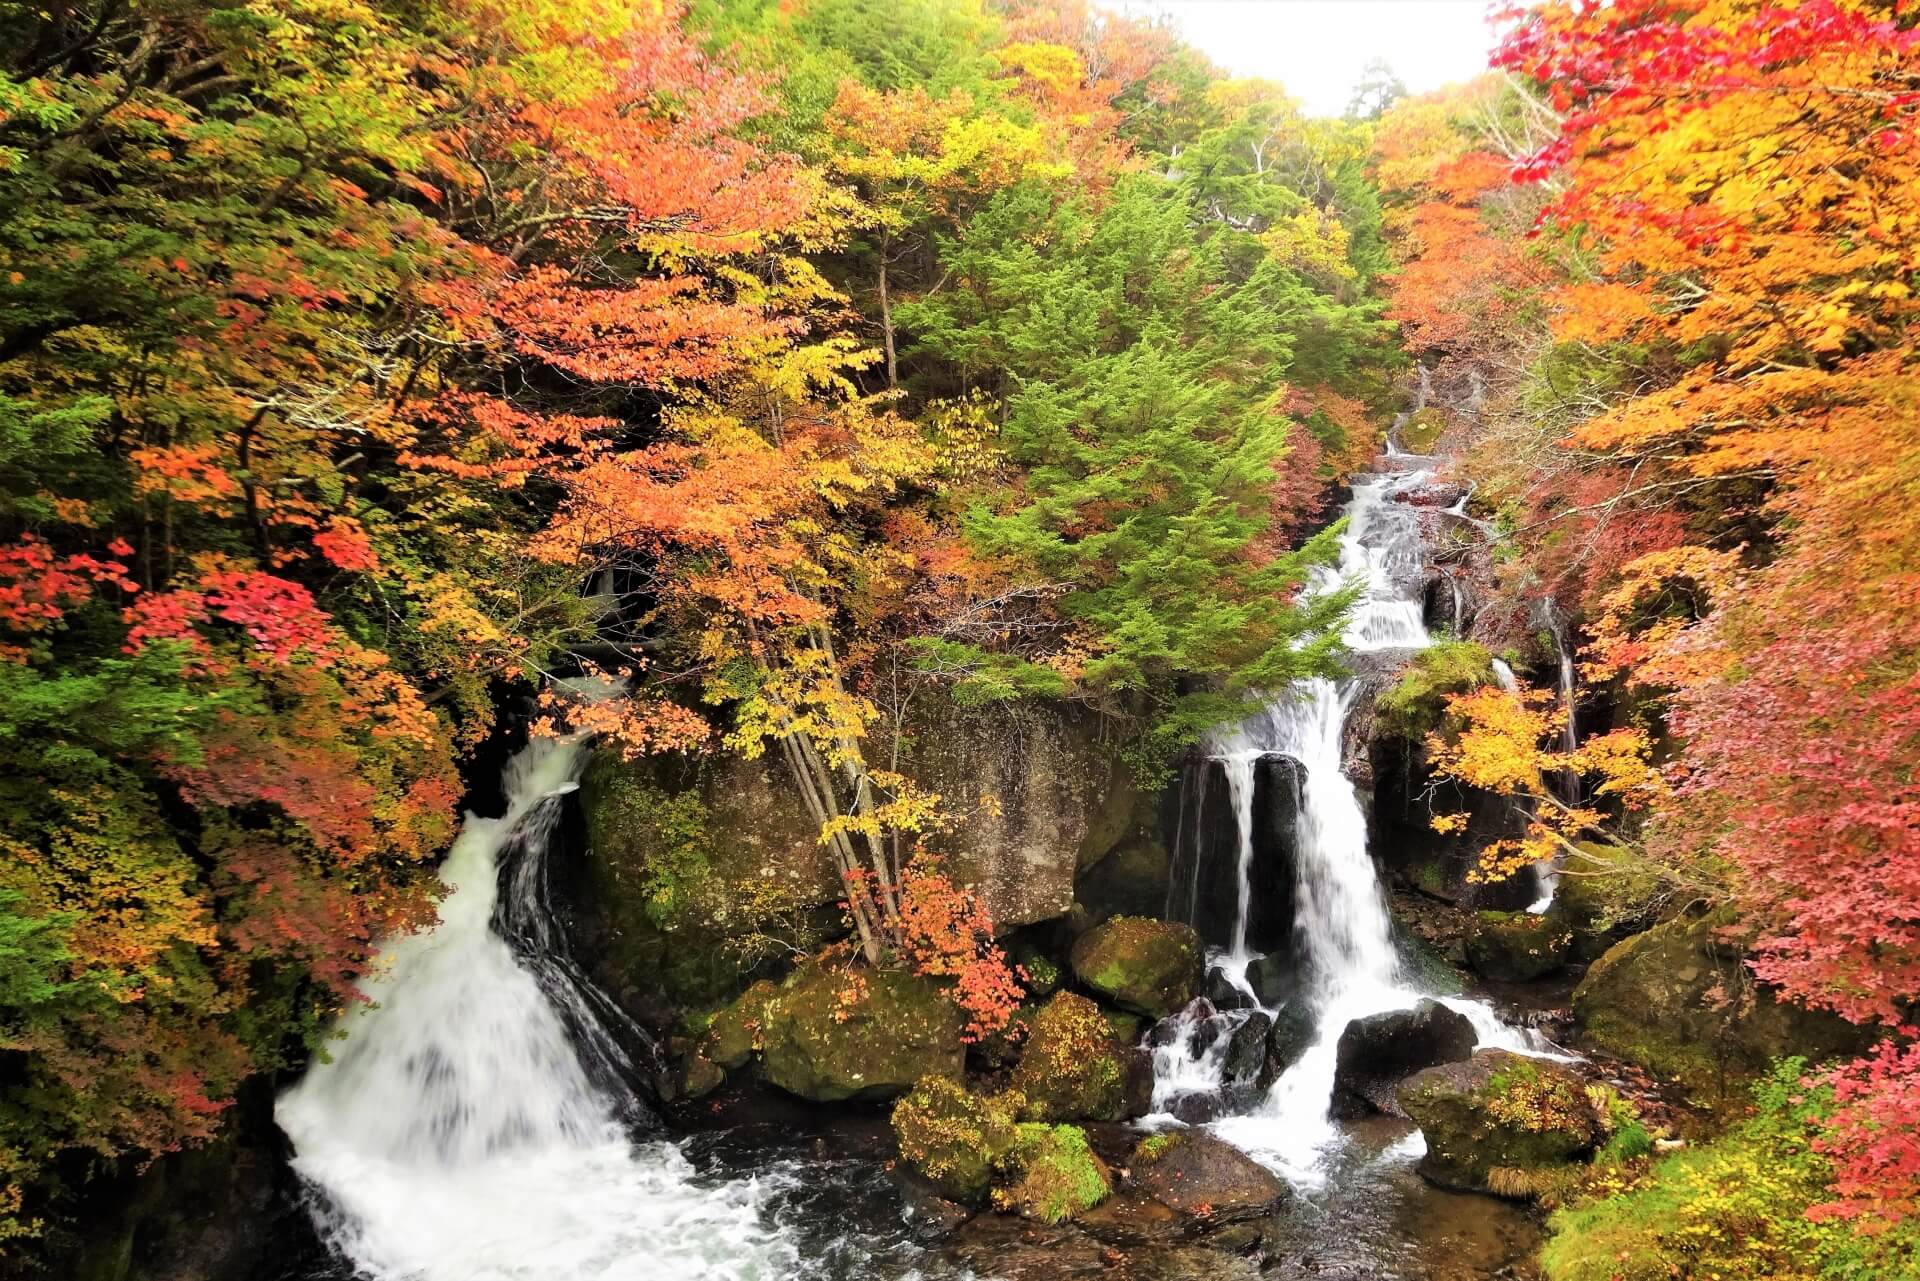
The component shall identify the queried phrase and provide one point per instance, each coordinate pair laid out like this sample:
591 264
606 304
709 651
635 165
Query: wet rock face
1498 1122
1197 1174
1376 1052
1151 967
1205 885
1661 999
1292 1033
828 1038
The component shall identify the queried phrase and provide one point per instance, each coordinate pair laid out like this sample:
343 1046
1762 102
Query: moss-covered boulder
1074 1069
954 1138
1055 1174
1416 702
1605 894
1147 966
1502 1122
1512 947
832 1034
733 1032
1678 999
1197 1174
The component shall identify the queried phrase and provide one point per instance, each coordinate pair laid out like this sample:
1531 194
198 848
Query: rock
1131 1217
1376 1051
953 1138
1205 873
1513 947
1150 967
1293 1031
1074 1070
1678 1000
1197 1108
699 1077
1224 995
1126 1027
863 1034
1246 1056
734 1030
929 1216
1605 896
1200 1175
1014 1249
1042 971
1131 880
1058 1174
1500 1122
1198 1019
1273 978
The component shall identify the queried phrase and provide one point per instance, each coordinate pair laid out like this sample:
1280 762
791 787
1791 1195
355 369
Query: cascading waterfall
473 1124
1343 934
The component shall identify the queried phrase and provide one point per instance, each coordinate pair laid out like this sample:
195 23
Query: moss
1072 1068
1422 431
1501 1111
859 1034
1417 701
733 1031
1153 1147
1517 946
956 1139
1605 894
1059 1176
651 842
1150 967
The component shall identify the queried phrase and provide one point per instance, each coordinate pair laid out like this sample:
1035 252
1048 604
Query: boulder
1150 967
1274 978
734 1030
953 1138
1500 1122
1224 995
1604 896
1679 1000
1246 1054
862 1034
1057 1176
1197 1174
1294 1031
1073 1069
1513 947
1377 1051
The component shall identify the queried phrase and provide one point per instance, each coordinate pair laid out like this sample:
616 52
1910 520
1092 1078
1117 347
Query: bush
1732 1209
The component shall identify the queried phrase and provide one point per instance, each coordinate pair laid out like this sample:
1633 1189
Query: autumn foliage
1708 444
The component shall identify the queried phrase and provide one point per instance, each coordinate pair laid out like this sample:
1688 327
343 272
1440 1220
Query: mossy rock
1678 999
1516 946
955 1139
1074 1070
1150 967
1604 895
1058 1176
733 1032
1416 702
836 1034
1422 431
1501 1122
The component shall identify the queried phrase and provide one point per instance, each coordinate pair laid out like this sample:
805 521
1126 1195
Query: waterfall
472 1122
1343 934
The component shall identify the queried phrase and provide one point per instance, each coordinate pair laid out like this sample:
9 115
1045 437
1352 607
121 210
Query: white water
457 1134
1342 928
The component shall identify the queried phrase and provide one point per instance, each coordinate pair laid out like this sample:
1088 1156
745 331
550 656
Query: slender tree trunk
886 317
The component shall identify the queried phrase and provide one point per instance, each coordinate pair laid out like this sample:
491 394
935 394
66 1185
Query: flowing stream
1343 940
474 1125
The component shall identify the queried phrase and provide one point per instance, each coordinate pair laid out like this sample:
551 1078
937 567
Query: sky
1318 48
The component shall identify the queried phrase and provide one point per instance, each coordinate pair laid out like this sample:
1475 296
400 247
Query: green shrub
1417 701
1731 1209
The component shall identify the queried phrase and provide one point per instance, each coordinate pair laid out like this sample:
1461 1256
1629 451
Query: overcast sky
1317 48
